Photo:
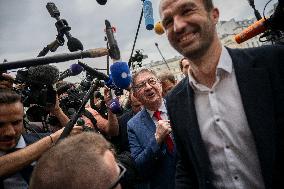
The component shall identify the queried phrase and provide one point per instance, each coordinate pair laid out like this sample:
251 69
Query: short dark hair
8 96
208 4
76 162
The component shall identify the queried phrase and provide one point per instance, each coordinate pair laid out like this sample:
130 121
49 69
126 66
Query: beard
200 46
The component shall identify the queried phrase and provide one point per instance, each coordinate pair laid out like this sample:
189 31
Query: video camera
36 85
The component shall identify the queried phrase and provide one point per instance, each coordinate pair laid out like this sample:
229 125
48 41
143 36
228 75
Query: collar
224 66
162 109
21 144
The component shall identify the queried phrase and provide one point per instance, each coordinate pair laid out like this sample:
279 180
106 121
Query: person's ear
215 15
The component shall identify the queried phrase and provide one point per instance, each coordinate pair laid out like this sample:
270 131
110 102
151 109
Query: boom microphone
275 22
253 30
75 69
91 53
148 14
113 48
38 75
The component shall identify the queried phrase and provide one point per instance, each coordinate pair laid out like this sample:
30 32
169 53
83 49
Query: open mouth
150 95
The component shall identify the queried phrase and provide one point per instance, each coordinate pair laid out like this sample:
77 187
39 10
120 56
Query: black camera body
34 92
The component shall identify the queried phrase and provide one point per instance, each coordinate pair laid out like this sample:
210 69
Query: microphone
274 23
102 2
113 47
253 30
91 53
75 69
74 44
63 28
114 106
121 75
94 73
148 14
159 29
46 74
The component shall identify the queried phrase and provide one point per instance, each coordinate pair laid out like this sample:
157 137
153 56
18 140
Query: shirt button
236 177
227 146
211 92
217 120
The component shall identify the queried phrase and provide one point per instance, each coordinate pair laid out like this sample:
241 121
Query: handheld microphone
159 29
148 14
102 2
75 69
121 75
114 106
113 47
253 30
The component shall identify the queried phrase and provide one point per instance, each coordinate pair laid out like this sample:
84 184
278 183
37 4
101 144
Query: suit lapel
186 110
255 90
148 122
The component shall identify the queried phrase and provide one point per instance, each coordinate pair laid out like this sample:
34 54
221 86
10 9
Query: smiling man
227 115
19 149
149 133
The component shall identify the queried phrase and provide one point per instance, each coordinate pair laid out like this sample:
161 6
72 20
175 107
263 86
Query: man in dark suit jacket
227 115
19 150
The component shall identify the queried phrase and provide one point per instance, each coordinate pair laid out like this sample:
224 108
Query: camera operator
56 117
18 150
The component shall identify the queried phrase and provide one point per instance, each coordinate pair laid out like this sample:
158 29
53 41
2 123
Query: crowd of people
221 126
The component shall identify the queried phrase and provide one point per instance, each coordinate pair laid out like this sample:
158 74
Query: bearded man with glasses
149 133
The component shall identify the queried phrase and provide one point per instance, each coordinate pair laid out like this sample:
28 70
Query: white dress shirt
225 130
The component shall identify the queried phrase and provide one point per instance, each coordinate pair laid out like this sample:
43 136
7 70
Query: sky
26 27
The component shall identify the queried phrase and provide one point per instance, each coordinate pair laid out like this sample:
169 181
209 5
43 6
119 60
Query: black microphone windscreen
102 2
44 74
74 44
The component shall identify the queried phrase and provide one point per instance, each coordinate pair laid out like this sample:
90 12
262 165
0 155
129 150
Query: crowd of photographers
34 113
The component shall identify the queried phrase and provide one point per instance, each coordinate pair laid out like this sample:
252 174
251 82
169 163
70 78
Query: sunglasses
121 174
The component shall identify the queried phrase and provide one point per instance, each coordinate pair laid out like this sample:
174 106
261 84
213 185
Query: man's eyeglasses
121 174
151 81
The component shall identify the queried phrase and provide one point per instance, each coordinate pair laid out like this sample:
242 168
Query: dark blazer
121 141
260 78
152 160
27 171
